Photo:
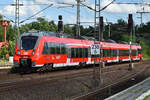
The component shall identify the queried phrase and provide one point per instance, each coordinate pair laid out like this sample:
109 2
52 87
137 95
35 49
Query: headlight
18 52
33 52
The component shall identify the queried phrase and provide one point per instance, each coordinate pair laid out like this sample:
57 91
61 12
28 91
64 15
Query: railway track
27 81
105 91
39 79
49 77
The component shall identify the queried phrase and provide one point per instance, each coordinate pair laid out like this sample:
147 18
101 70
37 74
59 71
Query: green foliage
3 52
121 22
7 49
10 33
41 24
11 48
68 29
1 33
145 48
25 28
125 37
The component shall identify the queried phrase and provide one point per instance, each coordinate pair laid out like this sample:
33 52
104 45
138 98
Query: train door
136 54
45 53
89 55
117 55
84 56
112 55
68 52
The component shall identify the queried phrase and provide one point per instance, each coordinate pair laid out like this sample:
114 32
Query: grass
4 61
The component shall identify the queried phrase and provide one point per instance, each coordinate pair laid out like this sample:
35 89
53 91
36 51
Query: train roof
55 34
46 33
64 35
110 41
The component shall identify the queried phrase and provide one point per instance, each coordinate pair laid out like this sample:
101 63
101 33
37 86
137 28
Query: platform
140 91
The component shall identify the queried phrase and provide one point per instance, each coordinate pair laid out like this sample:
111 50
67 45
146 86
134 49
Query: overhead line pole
100 32
78 19
17 19
97 33
140 12
141 15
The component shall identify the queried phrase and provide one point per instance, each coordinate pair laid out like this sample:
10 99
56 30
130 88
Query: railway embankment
72 84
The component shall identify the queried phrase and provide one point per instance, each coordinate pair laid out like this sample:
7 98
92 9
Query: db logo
53 58
26 53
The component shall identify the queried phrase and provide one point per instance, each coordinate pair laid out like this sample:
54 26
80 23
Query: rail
107 89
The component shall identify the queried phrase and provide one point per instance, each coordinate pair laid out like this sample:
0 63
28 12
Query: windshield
28 42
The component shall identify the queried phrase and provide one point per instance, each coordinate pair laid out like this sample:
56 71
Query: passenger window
57 48
45 48
72 53
77 52
80 53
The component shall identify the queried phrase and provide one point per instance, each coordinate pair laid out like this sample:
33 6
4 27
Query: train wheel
45 68
50 67
82 64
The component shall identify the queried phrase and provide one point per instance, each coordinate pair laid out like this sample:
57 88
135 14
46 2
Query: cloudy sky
111 13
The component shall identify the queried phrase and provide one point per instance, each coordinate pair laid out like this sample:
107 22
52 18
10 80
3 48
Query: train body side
61 52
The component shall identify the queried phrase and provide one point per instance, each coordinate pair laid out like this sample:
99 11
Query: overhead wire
58 3
35 14
8 18
22 4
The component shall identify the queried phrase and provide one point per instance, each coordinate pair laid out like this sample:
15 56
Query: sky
111 14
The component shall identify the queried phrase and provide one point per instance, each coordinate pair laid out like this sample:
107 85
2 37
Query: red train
46 50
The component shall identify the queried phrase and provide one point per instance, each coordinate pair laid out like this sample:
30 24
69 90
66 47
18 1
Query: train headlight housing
33 52
18 52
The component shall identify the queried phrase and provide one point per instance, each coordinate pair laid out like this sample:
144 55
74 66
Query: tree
68 29
125 37
121 22
10 33
52 26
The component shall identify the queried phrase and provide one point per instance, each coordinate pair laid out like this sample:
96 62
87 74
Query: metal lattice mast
97 16
141 15
78 18
17 19
97 28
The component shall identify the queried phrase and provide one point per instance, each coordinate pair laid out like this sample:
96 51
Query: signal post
130 27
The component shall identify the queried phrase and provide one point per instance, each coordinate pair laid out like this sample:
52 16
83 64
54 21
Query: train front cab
25 52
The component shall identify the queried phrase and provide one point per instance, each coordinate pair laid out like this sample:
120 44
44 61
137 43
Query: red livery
36 50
